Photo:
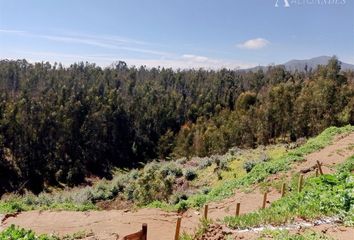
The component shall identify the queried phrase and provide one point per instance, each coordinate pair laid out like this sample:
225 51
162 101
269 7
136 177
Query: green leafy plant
286 235
16 233
190 174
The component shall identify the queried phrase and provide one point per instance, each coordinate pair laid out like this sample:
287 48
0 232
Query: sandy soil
114 224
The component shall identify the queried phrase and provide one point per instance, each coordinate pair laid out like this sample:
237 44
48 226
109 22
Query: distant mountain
312 63
300 65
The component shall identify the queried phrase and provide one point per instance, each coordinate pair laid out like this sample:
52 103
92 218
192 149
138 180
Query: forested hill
59 125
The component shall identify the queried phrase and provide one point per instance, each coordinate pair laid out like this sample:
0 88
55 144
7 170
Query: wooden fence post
283 190
264 200
238 209
178 227
300 183
144 231
319 167
141 235
206 211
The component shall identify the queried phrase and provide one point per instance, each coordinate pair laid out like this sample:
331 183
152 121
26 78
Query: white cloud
150 56
194 58
256 43
190 61
108 42
103 43
185 61
11 31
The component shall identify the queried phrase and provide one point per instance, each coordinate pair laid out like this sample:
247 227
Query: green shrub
205 190
190 174
204 163
182 206
177 197
249 165
224 164
286 235
16 233
152 185
182 160
171 169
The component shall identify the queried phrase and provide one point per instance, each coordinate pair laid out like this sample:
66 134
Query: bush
177 197
171 169
190 174
83 196
182 206
286 235
223 163
205 190
182 160
234 151
154 183
249 165
205 162
263 157
17 233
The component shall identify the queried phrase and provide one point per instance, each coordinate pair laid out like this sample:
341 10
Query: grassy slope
327 195
276 164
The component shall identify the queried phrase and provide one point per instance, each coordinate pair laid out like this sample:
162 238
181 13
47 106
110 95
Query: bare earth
341 149
114 224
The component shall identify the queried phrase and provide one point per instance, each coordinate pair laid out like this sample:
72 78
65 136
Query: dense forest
59 125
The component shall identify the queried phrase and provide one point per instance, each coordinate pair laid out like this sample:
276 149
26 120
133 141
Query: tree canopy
61 125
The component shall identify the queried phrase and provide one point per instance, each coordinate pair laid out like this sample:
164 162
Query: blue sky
178 33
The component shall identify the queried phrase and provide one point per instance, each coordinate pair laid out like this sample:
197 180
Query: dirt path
249 202
338 152
114 224
109 225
